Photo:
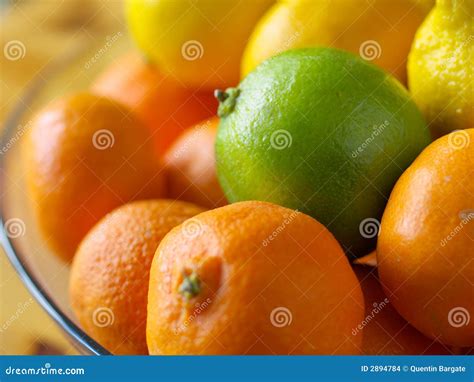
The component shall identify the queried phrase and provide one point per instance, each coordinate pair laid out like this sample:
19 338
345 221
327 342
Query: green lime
322 131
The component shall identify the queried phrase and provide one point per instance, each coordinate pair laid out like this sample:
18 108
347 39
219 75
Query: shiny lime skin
322 131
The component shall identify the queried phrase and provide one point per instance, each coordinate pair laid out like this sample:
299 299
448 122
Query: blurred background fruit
109 274
65 26
85 155
440 70
384 331
380 31
166 106
191 169
252 278
347 132
425 249
200 42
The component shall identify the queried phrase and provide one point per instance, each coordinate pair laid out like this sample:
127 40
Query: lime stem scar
227 100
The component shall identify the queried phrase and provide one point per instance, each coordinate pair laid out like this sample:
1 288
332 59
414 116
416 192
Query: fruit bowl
41 271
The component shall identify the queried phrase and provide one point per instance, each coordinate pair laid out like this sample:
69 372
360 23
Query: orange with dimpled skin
85 155
425 249
109 274
385 332
252 278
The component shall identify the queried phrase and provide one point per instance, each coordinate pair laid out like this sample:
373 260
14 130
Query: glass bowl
45 275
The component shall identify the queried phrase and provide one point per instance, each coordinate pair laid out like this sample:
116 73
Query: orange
190 167
109 274
383 330
84 156
369 260
252 278
166 106
425 251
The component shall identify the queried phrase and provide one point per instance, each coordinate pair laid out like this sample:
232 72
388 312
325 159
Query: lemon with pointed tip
440 74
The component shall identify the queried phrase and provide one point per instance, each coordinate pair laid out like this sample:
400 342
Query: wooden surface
40 31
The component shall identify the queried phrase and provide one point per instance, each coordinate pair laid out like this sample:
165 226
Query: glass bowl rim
80 339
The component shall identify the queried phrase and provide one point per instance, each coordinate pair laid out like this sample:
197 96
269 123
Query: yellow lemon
199 41
380 31
440 66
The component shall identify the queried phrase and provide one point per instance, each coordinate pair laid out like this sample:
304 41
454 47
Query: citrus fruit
164 105
109 274
425 250
252 278
85 155
190 167
200 42
383 330
440 74
369 260
380 31
321 131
